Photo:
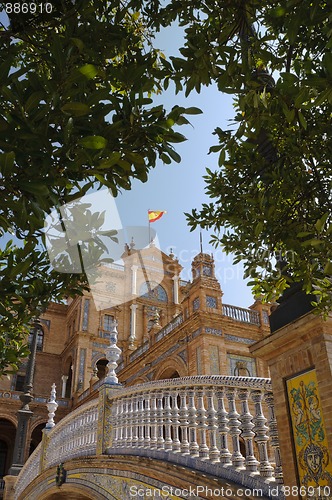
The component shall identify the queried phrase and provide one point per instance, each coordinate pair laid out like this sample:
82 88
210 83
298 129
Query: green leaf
75 109
314 242
328 268
7 163
302 120
33 101
35 187
321 222
93 142
112 159
79 44
89 71
166 159
193 111
259 228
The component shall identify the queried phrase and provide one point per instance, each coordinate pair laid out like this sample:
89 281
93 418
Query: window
108 322
85 322
151 290
40 339
196 304
211 302
19 382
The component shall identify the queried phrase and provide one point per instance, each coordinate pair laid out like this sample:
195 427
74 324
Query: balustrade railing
241 314
74 436
216 419
29 472
169 327
223 425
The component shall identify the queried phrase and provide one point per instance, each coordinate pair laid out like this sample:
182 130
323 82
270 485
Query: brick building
169 328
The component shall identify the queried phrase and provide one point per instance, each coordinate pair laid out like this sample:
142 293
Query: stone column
176 289
134 279
132 336
64 379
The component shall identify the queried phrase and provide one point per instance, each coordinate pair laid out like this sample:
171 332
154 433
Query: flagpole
149 227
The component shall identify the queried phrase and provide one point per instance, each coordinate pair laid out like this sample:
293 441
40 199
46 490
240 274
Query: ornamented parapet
214 424
179 416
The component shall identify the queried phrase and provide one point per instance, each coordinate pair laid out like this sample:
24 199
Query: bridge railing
74 436
215 424
30 470
216 419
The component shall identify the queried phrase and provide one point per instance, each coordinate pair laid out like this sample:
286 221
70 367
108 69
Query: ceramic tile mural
241 366
310 440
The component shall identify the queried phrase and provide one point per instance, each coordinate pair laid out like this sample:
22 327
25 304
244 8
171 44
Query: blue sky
179 188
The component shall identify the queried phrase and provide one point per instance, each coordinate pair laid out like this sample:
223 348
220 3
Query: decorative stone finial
113 353
52 406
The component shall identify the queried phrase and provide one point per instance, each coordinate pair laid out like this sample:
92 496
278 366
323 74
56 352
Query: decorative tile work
169 327
265 316
211 302
241 340
241 366
97 344
82 365
183 355
196 304
213 331
309 434
214 360
85 322
199 360
196 333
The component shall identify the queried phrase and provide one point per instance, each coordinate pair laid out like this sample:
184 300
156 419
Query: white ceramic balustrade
28 473
74 436
216 419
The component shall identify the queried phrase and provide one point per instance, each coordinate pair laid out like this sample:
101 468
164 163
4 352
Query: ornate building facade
169 328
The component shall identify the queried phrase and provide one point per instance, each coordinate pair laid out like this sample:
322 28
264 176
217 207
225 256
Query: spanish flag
154 215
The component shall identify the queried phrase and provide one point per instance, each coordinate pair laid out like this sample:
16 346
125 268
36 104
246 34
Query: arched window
36 437
101 367
108 322
153 291
40 339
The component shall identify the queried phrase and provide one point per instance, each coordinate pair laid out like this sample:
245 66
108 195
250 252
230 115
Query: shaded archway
101 366
7 440
173 367
68 371
36 437
3 457
169 373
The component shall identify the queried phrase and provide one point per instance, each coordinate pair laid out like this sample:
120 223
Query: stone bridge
193 437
